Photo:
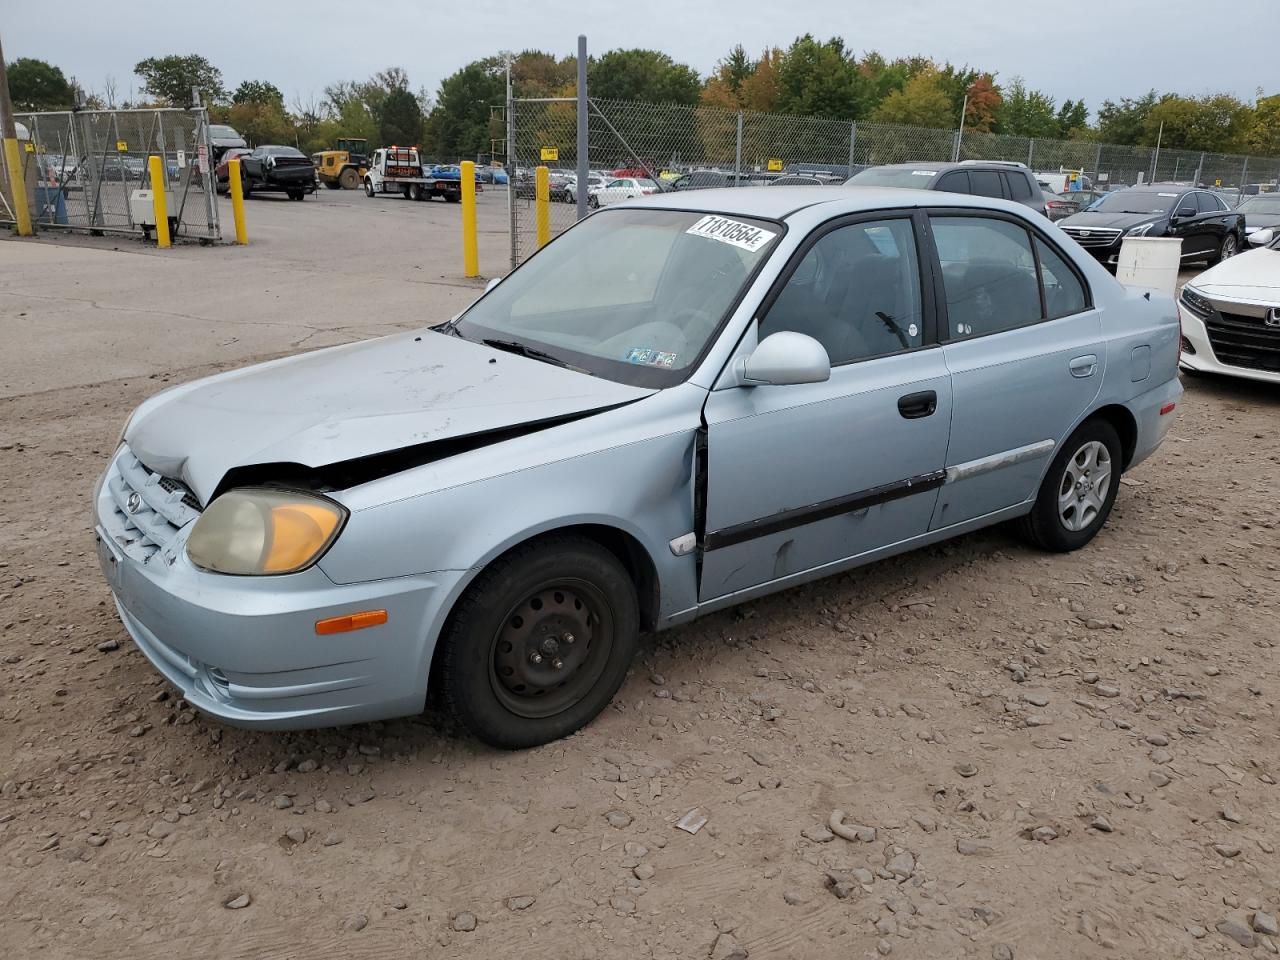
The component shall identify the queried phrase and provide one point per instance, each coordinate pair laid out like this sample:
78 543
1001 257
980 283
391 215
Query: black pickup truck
1209 229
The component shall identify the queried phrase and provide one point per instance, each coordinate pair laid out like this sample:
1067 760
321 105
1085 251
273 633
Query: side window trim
941 317
931 332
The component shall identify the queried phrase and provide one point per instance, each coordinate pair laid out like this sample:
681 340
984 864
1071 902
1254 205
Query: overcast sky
301 45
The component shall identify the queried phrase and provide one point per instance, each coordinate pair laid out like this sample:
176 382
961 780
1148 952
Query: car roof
1159 188
837 200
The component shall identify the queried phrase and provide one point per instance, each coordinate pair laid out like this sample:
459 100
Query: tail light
647 192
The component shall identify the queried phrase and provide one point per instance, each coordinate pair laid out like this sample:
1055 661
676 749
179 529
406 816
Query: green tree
37 85
258 91
1217 122
1264 132
821 79
1027 113
538 74
1073 119
923 102
400 119
459 125
170 79
259 123
647 75
1122 122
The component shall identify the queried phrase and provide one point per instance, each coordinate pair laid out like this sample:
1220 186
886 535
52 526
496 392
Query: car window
617 183
985 183
1207 202
1063 291
989 275
1019 187
956 182
856 291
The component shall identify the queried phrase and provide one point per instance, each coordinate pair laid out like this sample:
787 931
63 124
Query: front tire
348 179
1079 490
540 643
368 187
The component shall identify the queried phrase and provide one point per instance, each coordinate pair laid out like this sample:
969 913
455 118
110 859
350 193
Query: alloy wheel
1083 489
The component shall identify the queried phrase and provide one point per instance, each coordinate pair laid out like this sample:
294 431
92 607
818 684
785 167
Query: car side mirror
1185 213
1260 238
785 358
492 283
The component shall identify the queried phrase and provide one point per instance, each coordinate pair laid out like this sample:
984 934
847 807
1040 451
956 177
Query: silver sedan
680 404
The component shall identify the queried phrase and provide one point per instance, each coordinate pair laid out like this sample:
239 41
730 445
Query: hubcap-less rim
1084 486
551 648
1228 247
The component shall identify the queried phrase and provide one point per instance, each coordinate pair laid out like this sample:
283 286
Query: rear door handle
916 405
1084 366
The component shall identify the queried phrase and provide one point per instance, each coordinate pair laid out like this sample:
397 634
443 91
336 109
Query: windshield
892 177
1269 205
631 295
220 132
1136 201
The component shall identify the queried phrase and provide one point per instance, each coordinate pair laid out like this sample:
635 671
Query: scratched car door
805 476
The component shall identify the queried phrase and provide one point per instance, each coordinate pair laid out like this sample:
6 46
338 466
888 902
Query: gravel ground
1020 755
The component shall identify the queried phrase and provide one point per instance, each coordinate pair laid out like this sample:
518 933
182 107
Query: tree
459 126
982 104
647 75
923 102
170 79
820 79
258 91
37 85
400 119
1264 132
259 123
1122 122
1073 119
538 74
1216 122
1027 113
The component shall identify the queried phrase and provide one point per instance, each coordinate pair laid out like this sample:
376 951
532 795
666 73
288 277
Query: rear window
893 177
955 182
1019 188
985 183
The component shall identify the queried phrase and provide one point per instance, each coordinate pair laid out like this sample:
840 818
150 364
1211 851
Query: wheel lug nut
568 638
557 663
535 657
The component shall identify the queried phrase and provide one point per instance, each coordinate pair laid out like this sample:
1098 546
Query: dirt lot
1066 756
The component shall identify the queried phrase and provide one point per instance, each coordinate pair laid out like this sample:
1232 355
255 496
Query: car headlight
1139 231
1195 302
257 531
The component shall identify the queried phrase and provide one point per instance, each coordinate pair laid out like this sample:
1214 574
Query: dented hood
355 401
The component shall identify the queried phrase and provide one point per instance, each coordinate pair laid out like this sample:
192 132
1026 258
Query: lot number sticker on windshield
734 232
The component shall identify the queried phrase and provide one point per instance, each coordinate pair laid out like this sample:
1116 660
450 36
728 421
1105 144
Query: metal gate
83 167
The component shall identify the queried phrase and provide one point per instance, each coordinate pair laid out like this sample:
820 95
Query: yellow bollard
470 247
236 186
159 186
21 213
542 204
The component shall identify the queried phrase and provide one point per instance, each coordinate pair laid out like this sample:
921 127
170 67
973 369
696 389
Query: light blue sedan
680 404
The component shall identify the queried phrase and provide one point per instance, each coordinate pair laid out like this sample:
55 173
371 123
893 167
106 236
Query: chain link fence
726 148
81 170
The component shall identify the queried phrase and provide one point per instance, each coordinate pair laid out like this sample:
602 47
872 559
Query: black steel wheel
540 643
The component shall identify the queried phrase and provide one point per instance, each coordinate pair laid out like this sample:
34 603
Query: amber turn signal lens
352 621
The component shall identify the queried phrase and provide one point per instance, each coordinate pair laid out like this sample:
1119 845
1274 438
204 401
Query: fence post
159 186
853 140
584 147
1244 174
236 188
511 172
1031 149
1097 165
1199 169
955 147
737 154
470 244
541 205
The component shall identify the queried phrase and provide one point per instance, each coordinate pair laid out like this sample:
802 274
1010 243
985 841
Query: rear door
1025 350
805 476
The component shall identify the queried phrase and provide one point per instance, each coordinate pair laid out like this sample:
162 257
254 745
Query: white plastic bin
1150 262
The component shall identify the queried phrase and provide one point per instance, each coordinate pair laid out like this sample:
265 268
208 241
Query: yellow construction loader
343 167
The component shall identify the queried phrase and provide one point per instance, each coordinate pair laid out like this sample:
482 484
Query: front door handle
916 405
1084 366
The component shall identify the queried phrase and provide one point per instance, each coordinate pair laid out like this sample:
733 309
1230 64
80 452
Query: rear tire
295 194
540 643
332 185
246 186
1230 247
348 179
1078 491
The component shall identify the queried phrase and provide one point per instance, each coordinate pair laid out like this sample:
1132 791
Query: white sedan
1231 314
624 188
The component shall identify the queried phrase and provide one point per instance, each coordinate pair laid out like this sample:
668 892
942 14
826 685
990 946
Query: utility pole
964 108
584 166
12 158
1155 166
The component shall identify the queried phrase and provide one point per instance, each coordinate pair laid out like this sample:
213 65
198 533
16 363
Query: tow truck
400 170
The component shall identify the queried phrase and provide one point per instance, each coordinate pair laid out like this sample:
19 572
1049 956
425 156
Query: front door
808 475
1025 350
